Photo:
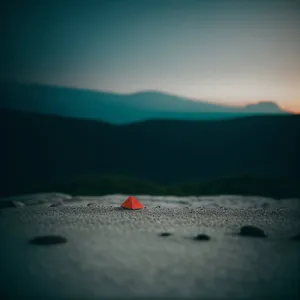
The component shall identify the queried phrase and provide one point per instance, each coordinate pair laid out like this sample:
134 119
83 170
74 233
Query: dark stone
47 240
158 206
91 204
252 231
165 234
296 237
202 237
56 204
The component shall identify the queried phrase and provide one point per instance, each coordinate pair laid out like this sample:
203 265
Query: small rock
202 237
56 204
158 206
296 237
252 231
91 204
165 234
47 240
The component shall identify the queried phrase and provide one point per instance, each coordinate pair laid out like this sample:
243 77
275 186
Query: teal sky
224 51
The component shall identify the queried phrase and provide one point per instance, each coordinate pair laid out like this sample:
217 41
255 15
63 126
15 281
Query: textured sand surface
112 252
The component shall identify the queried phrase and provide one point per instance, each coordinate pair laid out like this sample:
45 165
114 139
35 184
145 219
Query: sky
225 51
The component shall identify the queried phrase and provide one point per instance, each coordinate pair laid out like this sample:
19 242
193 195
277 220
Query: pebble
252 231
56 204
202 237
47 240
165 234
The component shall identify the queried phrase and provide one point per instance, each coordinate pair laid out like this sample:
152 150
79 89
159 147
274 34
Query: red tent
132 203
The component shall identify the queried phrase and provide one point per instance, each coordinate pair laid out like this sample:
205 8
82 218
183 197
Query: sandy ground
117 253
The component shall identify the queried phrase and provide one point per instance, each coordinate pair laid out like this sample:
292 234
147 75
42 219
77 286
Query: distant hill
263 107
37 149
117 108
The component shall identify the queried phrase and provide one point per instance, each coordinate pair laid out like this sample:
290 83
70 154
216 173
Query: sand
116 253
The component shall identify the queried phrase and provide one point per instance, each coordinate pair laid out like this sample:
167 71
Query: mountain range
39 149
120 108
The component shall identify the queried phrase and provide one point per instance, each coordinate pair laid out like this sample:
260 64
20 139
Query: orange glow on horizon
292 107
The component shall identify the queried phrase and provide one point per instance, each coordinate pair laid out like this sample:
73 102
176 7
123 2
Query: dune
182 247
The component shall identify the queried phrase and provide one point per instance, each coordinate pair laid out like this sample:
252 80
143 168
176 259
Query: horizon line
107 91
